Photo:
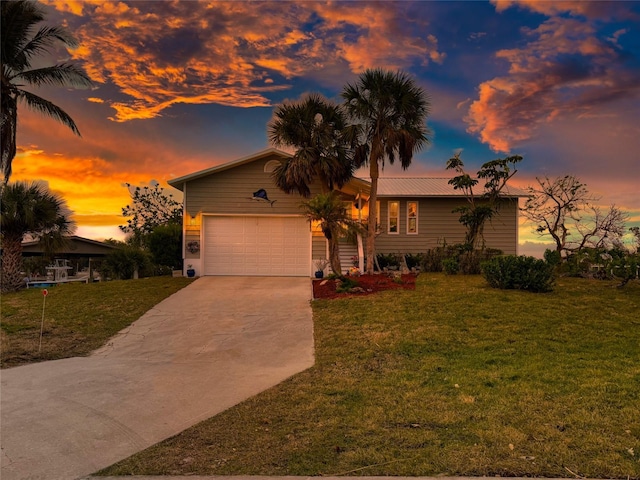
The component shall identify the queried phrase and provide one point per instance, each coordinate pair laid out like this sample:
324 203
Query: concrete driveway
200 351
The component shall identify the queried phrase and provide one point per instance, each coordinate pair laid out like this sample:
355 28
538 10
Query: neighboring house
76 252
75 247
229 229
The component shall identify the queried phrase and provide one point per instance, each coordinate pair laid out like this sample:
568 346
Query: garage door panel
273 246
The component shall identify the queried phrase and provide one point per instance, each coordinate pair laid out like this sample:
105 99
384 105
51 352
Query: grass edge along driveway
453 378
78 317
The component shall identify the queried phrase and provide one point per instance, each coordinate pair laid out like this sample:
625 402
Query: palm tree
389 112
29 209
329 210
315 127
19 48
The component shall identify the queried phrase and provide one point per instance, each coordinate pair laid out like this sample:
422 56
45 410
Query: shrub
626 268
165 245
552 257
458 258
413 260
432 260
450 266
470 262
346 284
389 261
121 264
35 265
519 272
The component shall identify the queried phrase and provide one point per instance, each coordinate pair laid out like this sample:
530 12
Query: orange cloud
564 70
158 54
381 41
95 190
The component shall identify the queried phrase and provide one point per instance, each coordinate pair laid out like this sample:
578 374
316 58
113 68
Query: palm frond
18 20
63 74
46 38
49 109
316 128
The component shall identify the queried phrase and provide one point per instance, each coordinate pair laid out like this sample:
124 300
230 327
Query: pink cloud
565 70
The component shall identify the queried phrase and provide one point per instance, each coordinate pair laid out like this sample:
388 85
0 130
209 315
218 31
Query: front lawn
78 318
453 378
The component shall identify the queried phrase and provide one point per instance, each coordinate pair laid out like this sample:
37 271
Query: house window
412 217
394 217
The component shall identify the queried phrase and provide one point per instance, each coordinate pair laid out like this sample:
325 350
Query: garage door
272 246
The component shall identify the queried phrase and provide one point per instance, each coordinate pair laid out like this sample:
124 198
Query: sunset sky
185 85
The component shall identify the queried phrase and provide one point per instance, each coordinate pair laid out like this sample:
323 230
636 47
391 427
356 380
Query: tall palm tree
315 127
29 209
20 46
389 112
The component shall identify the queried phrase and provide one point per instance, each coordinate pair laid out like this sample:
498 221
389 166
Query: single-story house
75 247
237 222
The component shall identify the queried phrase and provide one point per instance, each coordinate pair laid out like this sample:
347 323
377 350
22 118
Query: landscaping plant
519 272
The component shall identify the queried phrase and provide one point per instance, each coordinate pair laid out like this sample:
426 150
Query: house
237 222
75 247
75 254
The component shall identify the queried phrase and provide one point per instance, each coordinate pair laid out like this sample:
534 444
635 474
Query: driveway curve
206 348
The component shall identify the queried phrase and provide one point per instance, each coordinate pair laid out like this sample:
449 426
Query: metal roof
431 187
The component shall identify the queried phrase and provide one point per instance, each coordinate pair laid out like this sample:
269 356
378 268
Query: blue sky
185 85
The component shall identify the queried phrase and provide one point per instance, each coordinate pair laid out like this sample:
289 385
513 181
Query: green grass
78 317
453 378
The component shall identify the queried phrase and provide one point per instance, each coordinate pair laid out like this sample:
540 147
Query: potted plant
190 271
320 264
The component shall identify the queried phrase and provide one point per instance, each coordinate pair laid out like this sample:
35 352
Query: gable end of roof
180 181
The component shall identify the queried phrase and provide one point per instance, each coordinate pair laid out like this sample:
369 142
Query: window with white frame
394 217
412 217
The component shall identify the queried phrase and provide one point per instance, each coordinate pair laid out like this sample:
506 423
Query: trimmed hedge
519 272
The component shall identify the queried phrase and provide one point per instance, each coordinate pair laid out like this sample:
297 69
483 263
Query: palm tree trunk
8 135
333 238
373 220
334 255
12 279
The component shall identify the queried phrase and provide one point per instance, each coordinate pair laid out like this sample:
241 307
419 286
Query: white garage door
271 246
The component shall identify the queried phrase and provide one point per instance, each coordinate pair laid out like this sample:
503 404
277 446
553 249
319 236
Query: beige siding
318 246
437 224
502 231
230 192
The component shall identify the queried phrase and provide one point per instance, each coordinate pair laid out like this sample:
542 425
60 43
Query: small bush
432 260
470 262
389 261
552 257
519 272
413 260
458 258
346 284
450 266
122 263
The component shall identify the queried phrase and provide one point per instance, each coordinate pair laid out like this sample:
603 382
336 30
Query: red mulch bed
326 288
